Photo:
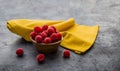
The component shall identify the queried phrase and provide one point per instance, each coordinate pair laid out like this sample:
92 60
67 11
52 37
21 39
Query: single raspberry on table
66 53
19 52
38 38
40 58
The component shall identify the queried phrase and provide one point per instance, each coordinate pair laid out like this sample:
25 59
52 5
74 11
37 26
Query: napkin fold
78 38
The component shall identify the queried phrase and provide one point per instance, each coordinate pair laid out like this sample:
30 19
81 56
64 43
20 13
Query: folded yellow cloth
78 38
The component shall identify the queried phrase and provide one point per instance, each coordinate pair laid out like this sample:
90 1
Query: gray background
103 56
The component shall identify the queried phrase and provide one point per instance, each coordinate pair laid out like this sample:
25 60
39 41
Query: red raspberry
44 27
50 31
46 31
43 41
44 34
53 28
66 53
37 29
59 36
32 35
38 38
47 40
40 58
19 52
53 37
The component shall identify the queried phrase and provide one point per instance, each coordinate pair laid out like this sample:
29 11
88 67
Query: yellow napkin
78 38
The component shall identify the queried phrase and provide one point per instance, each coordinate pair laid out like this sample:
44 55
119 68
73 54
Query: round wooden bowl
46 48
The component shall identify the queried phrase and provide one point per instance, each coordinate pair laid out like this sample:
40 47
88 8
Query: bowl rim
47 43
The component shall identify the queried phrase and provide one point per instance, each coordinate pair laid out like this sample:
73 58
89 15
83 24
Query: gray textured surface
104 55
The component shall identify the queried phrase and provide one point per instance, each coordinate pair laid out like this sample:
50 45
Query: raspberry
43 34
50 31
59 36
37 29
40 58
38 38
43 41
44 27
53 37
66 53
46 31
47 40
19 52
32 35
53 28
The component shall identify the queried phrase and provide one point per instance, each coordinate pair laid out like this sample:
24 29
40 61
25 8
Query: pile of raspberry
45 34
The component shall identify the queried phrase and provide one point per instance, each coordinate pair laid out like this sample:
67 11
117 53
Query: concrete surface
103 56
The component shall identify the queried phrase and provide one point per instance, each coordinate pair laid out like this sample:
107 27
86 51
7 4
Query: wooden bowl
46 48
